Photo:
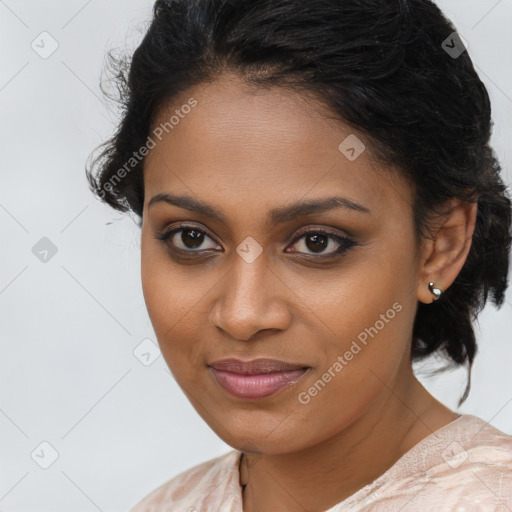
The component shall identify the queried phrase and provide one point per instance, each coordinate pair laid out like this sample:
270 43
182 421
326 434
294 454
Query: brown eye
187 239
192 238
316 242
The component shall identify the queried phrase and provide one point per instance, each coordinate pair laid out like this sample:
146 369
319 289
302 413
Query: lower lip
256 386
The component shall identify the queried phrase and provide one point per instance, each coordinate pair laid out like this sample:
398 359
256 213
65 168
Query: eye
187 239
318 243
318 240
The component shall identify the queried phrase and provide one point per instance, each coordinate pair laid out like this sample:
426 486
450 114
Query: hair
380 67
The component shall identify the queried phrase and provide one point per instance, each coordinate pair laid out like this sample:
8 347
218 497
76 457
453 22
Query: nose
251 299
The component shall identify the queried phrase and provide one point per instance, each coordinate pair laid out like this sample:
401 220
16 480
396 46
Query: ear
443 255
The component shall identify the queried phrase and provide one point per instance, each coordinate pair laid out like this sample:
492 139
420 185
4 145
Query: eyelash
345 243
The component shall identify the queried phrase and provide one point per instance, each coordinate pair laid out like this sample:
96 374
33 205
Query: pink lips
258 378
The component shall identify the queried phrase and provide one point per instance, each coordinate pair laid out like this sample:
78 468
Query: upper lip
255 366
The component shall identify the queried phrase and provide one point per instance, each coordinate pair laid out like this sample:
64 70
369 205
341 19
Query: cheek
367 316
364 347
165 297
362 362
168 293
363 301
177 307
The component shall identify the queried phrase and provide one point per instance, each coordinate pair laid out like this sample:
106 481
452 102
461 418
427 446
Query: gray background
70 325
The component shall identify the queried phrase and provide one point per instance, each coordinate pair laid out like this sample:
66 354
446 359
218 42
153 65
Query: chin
259 433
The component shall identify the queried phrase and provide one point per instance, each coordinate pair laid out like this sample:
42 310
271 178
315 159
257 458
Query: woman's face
329 289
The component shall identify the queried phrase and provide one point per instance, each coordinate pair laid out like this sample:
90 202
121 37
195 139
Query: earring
436 292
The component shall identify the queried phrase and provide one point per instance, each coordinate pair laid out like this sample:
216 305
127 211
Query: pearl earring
436 292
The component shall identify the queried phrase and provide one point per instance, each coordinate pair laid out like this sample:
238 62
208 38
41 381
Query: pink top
465 466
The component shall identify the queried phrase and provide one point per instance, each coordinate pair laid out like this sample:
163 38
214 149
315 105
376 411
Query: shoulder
464 466
474 442
202 487
476 460
467 463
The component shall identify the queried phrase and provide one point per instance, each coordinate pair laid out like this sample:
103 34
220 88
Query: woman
319 207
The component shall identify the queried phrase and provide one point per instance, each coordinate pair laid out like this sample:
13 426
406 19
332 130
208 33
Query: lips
255 379
255 367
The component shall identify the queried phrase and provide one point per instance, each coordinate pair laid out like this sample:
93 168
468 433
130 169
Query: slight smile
257 378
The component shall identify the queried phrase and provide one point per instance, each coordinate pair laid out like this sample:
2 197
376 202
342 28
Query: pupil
192 238
319 242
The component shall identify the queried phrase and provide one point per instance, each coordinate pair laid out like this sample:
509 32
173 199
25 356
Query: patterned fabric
465 466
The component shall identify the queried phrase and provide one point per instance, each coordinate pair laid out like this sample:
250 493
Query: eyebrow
277 215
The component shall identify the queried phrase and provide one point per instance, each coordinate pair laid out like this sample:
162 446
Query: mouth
255 379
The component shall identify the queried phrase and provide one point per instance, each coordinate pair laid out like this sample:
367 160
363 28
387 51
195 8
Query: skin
247 151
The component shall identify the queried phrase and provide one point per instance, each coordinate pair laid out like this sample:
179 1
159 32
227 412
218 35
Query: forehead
262 146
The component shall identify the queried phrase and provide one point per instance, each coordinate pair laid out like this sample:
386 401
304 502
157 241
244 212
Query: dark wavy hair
381 67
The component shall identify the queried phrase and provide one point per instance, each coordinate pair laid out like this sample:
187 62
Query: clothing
465 466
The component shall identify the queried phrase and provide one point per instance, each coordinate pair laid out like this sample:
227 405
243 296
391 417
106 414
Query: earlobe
445 255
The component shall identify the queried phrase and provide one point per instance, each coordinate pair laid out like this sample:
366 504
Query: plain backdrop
109 426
